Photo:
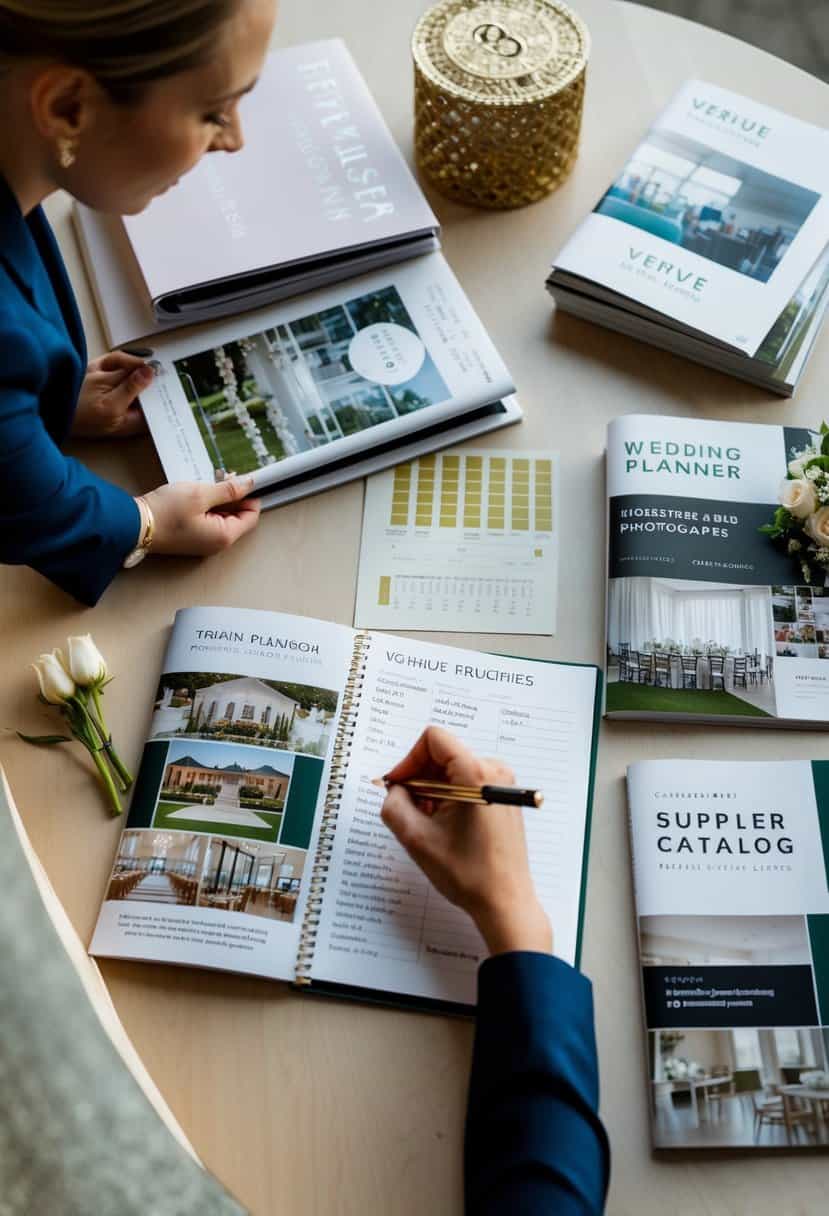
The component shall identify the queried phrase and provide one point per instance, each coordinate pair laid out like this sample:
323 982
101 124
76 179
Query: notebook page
382 924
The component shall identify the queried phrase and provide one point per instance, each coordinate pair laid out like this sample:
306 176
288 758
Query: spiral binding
325 842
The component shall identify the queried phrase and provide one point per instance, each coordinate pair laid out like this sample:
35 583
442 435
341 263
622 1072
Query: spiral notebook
254 841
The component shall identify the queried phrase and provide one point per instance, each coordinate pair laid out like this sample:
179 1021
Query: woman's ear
63 102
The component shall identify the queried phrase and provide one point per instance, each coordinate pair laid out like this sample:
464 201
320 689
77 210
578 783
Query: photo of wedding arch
259 879
680 646
292 388
208 787
244 709
155 866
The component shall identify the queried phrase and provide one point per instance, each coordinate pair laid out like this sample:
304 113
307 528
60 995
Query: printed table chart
460 539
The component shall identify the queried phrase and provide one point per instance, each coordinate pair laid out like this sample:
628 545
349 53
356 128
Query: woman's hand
197 519
108 401
475 854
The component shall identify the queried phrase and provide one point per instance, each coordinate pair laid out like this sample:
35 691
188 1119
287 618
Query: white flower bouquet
75 687
801 522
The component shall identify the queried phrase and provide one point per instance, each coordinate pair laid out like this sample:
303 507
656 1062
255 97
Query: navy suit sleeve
55 515
534 1141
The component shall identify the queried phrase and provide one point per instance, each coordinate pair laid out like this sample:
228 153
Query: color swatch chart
464 540
474 491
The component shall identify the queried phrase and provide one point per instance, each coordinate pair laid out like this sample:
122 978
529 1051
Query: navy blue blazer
55 515
534 1143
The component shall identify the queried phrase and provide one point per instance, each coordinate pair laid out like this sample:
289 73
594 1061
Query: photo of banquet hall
259 878
741 1087
687 193
675 646
157 867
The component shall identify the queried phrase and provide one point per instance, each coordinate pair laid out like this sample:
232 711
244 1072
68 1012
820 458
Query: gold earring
66 152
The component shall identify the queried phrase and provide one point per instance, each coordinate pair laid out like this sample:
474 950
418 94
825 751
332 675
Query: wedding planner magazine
319 192
254 841
712 240
328 387
731 879
707 619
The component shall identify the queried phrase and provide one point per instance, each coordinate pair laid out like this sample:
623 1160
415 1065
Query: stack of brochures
713 239
339 382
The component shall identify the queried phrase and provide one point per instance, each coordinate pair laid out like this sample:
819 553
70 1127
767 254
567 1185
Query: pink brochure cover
319 173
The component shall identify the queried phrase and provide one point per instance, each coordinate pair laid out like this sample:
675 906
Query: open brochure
329 386
707 619
713 239
254 841
730 865
319 192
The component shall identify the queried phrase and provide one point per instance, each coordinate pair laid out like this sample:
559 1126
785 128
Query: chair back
747 1080
716 661
740 664
689 663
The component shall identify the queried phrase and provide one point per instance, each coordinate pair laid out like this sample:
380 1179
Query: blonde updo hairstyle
123 44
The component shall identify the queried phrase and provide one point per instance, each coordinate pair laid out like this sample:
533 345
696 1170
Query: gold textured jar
499 89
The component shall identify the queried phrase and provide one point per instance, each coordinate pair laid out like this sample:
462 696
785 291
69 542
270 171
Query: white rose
798 497
796 466
56 685
86 663
817 526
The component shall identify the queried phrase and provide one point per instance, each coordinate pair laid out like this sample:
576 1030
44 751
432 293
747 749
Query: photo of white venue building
241 701
244 709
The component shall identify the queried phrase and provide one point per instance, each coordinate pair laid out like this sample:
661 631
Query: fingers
122 393
231 490
402 817
231 526
133 422
117 361
435 753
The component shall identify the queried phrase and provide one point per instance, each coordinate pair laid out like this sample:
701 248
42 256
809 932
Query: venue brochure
707 619
254 841
328 387
463 540
730 872
319 193
712 240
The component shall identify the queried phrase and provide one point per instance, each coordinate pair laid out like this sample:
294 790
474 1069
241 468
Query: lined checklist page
383 925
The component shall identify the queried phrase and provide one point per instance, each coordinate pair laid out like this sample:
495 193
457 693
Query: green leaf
769 530
824 429
44 740
821 462
824 443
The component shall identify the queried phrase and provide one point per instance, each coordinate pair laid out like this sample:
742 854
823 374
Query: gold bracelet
149 522
145 536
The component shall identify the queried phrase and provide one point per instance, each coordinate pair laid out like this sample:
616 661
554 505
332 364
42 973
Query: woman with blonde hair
112 101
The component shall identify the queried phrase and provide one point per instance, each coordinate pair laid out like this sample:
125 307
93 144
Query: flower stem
124 775
106 780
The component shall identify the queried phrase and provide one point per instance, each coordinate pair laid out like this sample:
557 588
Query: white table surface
327 1107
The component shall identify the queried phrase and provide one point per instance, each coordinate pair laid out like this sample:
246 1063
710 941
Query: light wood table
818 1100
327 1107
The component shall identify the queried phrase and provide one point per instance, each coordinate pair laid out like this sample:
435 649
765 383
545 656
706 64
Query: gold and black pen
506 795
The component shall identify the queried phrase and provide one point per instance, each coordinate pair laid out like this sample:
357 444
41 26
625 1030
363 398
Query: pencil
507 795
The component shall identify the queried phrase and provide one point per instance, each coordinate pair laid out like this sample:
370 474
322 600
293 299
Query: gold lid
501 52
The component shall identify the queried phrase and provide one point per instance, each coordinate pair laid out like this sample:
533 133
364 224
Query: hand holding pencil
474 854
